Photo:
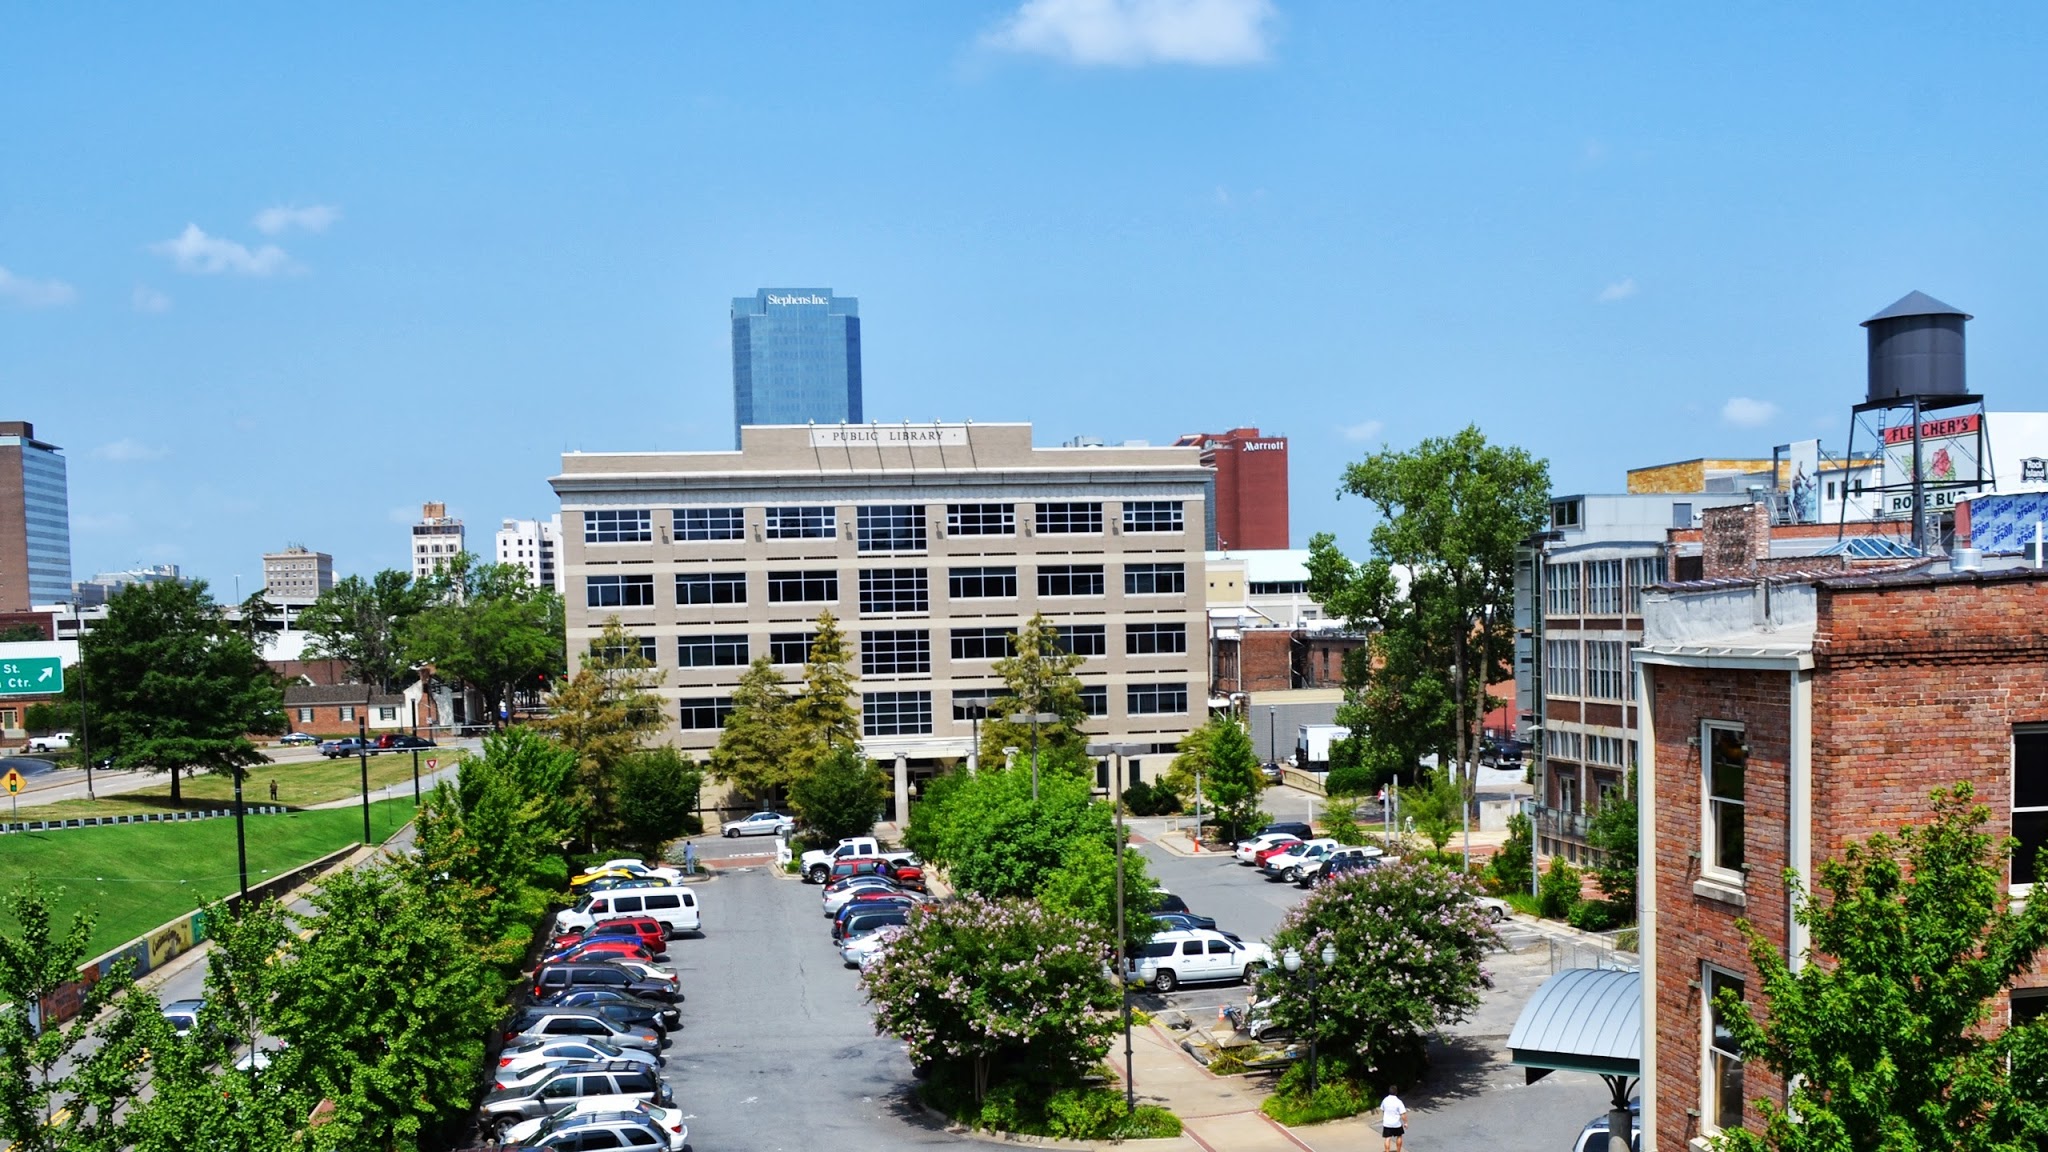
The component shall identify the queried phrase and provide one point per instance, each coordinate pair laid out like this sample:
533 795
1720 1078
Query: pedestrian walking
1393 1123
273 791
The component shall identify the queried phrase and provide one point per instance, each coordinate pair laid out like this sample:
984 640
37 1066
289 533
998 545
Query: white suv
1193 956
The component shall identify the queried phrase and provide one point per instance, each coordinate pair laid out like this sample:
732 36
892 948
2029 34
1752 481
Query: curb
941 1123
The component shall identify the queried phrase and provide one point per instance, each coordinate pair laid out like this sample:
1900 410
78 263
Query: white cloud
34 293
126 451
148 299
285 217
1132 33
1743 412
1364 430
1619 290
194 251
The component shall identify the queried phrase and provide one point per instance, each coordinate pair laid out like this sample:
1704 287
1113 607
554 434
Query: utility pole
363 752
241 842
1118 752
84 721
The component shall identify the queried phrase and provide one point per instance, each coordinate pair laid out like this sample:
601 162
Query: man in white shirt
1393 1123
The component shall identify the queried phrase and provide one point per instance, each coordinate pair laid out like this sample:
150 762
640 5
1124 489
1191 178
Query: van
675 908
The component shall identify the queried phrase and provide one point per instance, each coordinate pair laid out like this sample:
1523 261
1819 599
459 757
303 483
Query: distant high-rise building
1250 504
296 575
436 540
795 358
533 545
35 520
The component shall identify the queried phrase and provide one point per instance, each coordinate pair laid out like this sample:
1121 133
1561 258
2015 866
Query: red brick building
1250 504
336 709
1785 714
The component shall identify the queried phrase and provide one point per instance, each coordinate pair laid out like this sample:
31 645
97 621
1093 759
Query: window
889 527
1723 1088
705 713
1561 667
711 588
619 591
1082 639
981 519
348 712
1608 750
1095 699
975 704
1605 669
710 524
1070 580
1561 589
1628 670
1727 762
710 651
305 716
1153 516
1564 513
982 583
641 646
384 713
894 590
1681 514
795 522
896 653
1155 579
618 526
982 644
1155 639
2029 801
2028 1004
810 587
1562 744
1643 572
896 714
790 647
1069 519
1155 699
1603 588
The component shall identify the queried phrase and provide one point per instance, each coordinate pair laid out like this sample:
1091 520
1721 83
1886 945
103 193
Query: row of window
346 713
886 589
908 651
1602 672
880 527
910 713
1599 587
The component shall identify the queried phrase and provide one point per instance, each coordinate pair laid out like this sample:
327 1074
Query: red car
903 875
626 947
652 933
1259 859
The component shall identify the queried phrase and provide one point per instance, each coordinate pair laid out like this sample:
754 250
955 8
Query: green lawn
299 784
139 876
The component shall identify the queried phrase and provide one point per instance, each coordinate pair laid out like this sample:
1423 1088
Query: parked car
1341 866
622 1083
1171 959
1260 857
855 950
651 933
816 865
648 971
1501 752
1247 851
866 920
635 1129
1168 902
839 892
54 742
399 741
602 948
183 1015
666 1118
676 907
536 1060
550 979
628 869
903 875
761 824
542 1023
297 739
1496 909
664 1014
614 880
1287 863
1271 771
1184 922
1594 1137
868 901
346 746
1295 829
1307 871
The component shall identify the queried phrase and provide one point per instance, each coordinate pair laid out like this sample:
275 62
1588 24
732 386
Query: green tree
58 715
1192 761
995 841
1038 679
251 615
987 991
929 814
1084 888
1882 1027
1612 834
491 839
1451 513
759 743
657 791
487 626
1434 805
98 1084
18 633
1233 781
1511 867
386 1003
841 796
359 622
826 712
605 712
1409 940
175 687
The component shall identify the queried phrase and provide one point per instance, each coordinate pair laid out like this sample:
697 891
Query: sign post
13 783
31 676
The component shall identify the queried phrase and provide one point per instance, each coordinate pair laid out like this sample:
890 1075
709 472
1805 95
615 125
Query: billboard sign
1804 484
1951 460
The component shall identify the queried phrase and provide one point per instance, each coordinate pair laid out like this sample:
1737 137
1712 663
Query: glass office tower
795 358
35 520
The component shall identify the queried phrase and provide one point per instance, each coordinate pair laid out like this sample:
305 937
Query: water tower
1919 416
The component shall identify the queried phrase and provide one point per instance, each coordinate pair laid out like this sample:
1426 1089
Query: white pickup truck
817 864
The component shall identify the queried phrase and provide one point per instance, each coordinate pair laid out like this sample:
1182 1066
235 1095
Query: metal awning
1582 1020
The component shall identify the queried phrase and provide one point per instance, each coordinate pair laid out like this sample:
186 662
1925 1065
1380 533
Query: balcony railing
1559 824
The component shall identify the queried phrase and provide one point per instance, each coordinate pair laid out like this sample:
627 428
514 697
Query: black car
867 920
553 979
1297 830
1342 866
619 1008
1168 902
1185 921
404 740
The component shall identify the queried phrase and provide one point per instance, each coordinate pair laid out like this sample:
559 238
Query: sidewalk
1216 1112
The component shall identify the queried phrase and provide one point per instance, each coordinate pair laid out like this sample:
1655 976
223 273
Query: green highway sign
31 676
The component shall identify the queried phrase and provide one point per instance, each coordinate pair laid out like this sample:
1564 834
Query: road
57 784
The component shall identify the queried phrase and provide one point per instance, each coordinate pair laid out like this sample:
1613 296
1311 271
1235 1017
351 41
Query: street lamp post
975 714
1034 719
1272 734
415 753
241 842
1118 752
84 720
363 752
1292 962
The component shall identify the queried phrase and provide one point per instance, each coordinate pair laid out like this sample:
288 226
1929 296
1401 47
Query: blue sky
280 273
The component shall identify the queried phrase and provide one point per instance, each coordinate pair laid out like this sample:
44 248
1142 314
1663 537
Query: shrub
1558 891
1339 826
1337 1095
1142 799
1598 915
1509 870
